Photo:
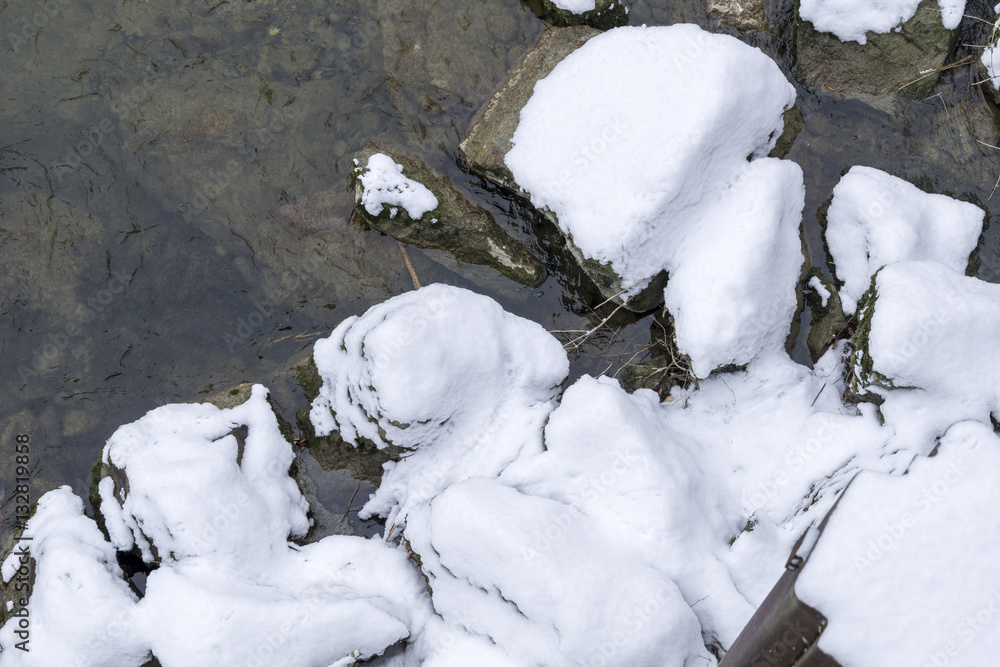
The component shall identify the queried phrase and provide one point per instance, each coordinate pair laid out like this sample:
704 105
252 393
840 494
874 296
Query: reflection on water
175 204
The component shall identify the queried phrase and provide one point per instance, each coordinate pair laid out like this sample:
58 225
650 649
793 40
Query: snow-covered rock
880 48
644 168
850 20
601 14
438 368
81 611
205 493
451 223
904 571
876 219
926 327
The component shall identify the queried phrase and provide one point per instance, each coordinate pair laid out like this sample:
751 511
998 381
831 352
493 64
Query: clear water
175 213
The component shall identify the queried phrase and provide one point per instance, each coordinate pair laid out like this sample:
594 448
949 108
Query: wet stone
456 225
888 64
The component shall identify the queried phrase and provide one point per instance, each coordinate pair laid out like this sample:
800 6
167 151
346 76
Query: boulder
454 224
887 64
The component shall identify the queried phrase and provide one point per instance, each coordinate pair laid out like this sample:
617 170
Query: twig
352 498
409 265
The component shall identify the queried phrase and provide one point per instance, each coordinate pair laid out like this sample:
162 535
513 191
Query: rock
364 462
793 126
828 321
746 15
605 15
456 225
488 140
889 63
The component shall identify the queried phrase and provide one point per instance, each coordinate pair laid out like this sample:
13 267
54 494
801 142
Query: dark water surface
175 211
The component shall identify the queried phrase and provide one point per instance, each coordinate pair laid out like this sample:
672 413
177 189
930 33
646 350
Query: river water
175 205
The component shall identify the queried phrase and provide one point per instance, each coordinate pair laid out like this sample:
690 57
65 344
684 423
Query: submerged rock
444 218
900 61
603 14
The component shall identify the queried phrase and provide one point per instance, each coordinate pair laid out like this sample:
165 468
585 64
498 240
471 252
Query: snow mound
933 329
731 290
851 19
638 143
385 185
437 366
903 570
80 605
194 489
876 219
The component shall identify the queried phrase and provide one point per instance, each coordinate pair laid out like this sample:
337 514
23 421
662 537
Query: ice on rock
575 6
81 609
638 142
905 570
438 366
851 19
876 219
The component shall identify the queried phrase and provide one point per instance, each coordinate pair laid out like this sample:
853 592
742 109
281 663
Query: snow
824 294
576 6
990 57
649 146
385 185
851 19
876 219
80 605
230 589
902 571
443 367
935 330
720 317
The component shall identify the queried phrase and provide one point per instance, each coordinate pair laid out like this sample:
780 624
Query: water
175 213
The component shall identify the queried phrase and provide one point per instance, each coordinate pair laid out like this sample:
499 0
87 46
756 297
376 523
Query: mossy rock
862 376
605 15
828 322
456 225
887 64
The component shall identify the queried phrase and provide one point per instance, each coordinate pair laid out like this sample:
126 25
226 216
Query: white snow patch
851 19
876 219
576 6
821 290
903 571
383 184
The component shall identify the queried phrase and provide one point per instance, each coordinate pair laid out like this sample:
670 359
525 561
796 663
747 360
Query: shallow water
175 213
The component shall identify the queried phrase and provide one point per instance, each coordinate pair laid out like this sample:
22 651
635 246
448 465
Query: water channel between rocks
175 204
